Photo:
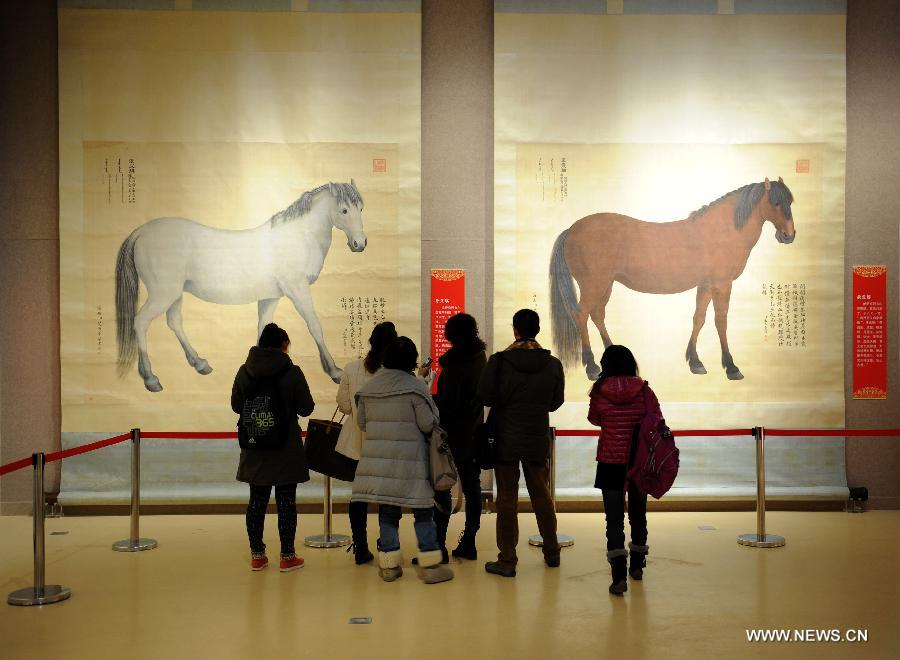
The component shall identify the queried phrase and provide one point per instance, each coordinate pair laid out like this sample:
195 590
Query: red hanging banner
448 297
870 332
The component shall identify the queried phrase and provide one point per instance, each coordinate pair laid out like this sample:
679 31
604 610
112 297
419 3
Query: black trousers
614 504
358 512
470 480
286 503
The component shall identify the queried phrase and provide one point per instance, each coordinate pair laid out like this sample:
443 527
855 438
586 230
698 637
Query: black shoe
618 588
619 575
466 548
361 554
636 565
445 558
552 562
497 568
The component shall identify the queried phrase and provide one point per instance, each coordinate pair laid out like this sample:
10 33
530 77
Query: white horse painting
281 257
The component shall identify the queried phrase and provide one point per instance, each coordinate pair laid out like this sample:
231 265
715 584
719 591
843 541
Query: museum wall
29 244
872 221
457 202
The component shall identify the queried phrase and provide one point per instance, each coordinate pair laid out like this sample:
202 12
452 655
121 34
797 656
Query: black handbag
321 439
485 435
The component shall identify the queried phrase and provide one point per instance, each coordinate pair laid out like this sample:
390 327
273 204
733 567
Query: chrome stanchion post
761 539
564 540
40 593
327 540
135 543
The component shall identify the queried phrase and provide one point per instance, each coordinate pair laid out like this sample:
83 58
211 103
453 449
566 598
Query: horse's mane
749 198
346 194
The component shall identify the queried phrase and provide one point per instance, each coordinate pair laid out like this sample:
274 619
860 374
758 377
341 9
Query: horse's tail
563 304
126 304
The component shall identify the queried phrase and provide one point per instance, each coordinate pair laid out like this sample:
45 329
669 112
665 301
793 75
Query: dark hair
461 330
401 354
617 361
527 323
273 337
382 335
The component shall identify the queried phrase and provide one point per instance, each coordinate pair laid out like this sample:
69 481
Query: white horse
281 257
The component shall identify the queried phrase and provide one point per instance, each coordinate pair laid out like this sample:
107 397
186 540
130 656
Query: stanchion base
564 540
327 540
757 541
51 593
129 545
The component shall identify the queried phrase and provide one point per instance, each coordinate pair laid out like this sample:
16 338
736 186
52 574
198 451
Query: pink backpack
655 463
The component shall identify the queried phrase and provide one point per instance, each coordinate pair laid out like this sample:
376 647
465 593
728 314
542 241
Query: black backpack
264 423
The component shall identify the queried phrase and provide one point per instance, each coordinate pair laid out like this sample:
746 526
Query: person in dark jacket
461 412
617 406
282 468
524 383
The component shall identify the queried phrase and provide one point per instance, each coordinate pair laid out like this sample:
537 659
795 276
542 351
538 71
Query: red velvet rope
15 465
189 435
689 432
83 449
831 433
231 435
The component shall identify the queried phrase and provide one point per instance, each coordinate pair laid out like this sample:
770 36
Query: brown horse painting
707 250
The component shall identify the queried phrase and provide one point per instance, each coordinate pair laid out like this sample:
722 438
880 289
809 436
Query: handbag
321 438
442 468
485 434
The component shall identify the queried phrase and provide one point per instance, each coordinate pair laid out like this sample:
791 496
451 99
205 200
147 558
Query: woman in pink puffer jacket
617 407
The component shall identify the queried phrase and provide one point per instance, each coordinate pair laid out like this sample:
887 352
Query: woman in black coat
284 467
461 412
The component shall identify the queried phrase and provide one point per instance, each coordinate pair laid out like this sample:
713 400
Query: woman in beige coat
357 374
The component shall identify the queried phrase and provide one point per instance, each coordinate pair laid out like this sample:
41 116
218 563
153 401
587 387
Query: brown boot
431 571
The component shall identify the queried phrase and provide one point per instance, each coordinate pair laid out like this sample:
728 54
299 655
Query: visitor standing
619 401
395 410
524 383
357 374
461 411
269 368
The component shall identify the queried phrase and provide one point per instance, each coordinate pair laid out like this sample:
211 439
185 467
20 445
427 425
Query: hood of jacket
622 389
394 382
460 355
266 362
527 356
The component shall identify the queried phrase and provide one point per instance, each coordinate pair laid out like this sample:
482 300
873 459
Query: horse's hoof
697 368
153 385
593 372
203 367
734 374
337 375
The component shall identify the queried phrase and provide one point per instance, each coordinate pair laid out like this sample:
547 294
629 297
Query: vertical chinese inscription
784 322
121 184
870 332
552 176
362 313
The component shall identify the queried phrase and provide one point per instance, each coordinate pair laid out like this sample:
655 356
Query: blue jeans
389 528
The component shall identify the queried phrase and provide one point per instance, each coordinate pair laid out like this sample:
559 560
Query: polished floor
195 597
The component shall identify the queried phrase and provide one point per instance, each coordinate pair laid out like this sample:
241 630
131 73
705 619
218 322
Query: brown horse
707 250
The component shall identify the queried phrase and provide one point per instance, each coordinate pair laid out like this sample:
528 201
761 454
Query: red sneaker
292 564
259 564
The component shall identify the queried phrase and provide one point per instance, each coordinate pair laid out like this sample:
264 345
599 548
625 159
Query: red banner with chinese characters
869 332
448 297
